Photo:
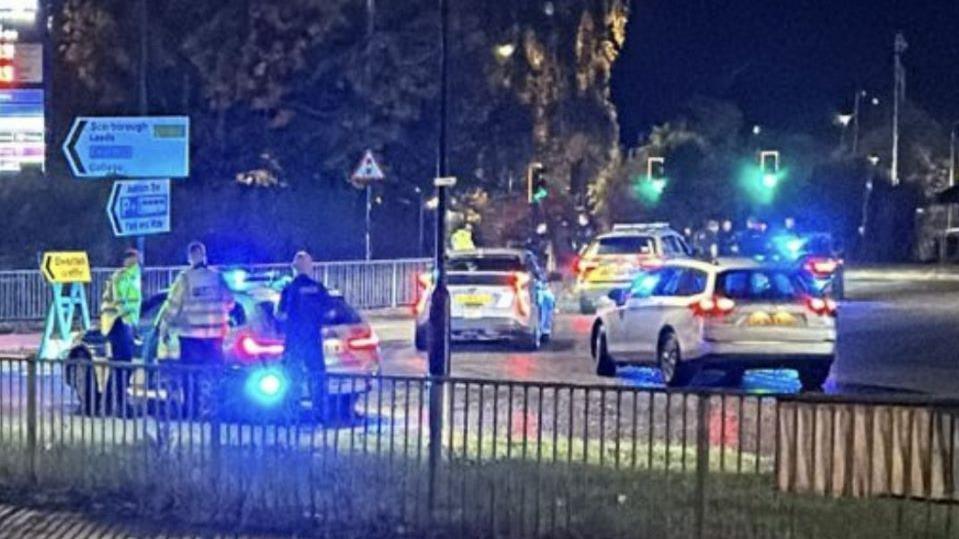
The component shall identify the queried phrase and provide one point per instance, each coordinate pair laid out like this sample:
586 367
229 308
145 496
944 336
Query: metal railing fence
25 296
517 458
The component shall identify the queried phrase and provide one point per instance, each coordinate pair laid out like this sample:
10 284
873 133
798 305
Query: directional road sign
131 147
368 171
139 207
66 267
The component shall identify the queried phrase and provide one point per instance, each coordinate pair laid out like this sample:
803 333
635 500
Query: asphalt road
900 336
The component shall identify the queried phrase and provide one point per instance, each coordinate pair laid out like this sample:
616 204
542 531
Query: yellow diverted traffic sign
66 267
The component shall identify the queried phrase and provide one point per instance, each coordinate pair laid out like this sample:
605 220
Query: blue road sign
129 147
139 207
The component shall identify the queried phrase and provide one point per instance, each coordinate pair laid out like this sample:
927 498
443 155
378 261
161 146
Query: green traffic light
540 194
649 191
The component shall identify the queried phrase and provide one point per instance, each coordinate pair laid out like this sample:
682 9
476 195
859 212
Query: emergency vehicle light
267 386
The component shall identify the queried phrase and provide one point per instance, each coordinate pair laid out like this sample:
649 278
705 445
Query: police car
614 259
252 352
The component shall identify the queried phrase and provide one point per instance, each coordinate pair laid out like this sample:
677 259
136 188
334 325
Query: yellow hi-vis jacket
122 298
462 240
199 304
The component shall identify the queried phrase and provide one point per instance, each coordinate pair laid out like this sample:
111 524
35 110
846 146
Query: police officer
120 306
303 307
462 239
119 317
198 309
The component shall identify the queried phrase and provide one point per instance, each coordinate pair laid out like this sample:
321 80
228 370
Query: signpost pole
144 96
369 222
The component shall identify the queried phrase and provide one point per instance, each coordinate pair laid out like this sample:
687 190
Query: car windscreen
622 245
485 264
759 285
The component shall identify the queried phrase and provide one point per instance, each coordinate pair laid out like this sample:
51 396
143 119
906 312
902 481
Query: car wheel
605 364
586 306
675 371
421 339
84 381
812 377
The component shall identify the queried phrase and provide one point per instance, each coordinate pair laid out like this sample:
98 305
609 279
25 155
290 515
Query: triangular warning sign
368 170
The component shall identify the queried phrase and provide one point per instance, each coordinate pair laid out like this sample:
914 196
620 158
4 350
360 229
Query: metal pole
422 226
144 96
370 28
855 126
899 90
369 221
439 345
952 171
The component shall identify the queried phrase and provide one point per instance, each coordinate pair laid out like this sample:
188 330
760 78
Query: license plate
474 300
764 319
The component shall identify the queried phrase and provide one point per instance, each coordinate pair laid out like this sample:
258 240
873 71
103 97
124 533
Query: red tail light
822 267
822 306
583 266
252 347
363 339
717 306
520 283
424 283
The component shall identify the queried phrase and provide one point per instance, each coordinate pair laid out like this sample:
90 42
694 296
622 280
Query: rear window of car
342 314
759 285
485 263
622 245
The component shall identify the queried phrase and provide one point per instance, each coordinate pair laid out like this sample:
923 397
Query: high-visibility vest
199 304
462 240
122 298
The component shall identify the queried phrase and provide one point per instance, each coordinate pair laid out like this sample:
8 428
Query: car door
643 312
677 312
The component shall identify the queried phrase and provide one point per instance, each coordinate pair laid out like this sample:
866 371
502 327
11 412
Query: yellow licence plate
763 319
474 300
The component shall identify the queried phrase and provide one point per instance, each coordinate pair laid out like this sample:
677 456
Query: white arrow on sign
368 170
139 207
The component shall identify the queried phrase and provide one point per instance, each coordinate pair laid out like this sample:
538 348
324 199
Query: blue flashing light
644 285
789 246
267 386
235 279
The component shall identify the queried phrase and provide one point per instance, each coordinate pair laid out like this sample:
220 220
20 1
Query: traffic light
656 174
537 184
649 188
769 167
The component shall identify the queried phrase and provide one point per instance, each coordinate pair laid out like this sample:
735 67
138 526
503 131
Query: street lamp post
439 341
866 198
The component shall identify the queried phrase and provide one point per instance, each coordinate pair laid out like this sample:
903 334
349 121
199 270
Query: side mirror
619 296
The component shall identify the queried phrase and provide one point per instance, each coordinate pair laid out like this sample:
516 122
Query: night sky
788 64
